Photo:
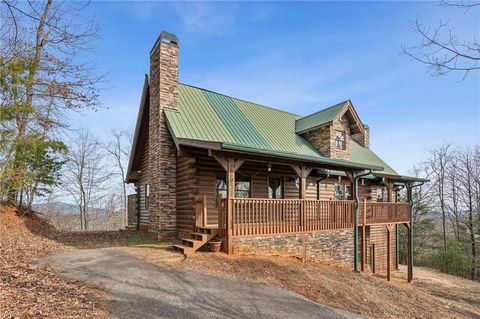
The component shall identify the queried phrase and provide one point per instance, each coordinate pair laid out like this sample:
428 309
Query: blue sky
296 56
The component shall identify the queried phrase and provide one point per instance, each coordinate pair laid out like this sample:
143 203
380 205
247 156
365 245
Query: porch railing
255 216
252 216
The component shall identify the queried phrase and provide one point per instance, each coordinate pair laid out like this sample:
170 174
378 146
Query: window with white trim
340 140
343 191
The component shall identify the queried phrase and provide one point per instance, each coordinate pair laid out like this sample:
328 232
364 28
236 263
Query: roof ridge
328 108
236 98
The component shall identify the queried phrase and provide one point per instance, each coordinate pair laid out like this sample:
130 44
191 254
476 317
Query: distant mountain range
62 207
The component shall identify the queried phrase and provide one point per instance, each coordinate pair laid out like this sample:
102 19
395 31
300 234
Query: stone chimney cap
165 37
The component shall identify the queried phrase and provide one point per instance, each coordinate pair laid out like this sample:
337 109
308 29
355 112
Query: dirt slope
29 290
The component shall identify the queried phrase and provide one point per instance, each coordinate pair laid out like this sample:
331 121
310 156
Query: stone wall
334 246
162 152
323 139
320 139
342 125
363 138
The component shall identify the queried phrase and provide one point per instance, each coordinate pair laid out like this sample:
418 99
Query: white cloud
206 18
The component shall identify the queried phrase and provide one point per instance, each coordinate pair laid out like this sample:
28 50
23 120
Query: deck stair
197 239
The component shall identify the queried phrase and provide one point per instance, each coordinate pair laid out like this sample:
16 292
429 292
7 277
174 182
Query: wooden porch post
302 173
389 250
230 165
220 215
410 235
409 253
390 187
230 196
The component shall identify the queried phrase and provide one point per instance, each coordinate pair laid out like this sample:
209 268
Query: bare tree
441 49
439 165
113 214
468 164
85 175
40 45
422 214
118 148
453 205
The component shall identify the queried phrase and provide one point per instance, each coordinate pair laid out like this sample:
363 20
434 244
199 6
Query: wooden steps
197 239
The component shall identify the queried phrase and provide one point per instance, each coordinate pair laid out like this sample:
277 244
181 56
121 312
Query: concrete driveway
141 290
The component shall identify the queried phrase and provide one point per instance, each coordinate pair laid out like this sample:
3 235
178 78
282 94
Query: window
220 188
348 192
146 194
275 187
338 191
296 182
343 191
382 195
340 140
242 187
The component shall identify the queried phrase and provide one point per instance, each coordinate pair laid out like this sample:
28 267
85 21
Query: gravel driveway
141 290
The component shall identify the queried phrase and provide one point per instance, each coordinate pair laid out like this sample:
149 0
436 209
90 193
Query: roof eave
326 161
306 130
412 179
128 177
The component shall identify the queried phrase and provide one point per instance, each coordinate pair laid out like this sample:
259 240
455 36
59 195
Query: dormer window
340 140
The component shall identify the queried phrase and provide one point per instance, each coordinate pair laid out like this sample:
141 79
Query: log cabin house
263 180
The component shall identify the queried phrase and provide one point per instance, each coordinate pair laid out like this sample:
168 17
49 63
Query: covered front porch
236 200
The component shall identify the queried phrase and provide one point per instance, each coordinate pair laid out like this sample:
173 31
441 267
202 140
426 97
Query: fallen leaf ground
31 290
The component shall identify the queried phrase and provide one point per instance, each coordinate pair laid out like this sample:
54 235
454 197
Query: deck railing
255 216
273 216
383 213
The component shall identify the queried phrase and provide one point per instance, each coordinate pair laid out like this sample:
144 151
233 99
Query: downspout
355 229
318 184
397 239
410 197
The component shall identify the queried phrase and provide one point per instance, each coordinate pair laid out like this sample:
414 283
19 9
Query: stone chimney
366 137
161 149
363 139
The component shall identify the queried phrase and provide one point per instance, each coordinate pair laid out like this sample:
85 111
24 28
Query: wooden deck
254 216
264 217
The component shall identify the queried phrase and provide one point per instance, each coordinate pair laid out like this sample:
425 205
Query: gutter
355 229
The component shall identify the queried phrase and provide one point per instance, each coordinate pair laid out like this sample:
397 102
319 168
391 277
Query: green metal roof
239 125
364 155
319 118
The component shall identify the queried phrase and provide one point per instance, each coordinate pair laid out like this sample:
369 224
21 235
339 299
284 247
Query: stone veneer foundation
329 246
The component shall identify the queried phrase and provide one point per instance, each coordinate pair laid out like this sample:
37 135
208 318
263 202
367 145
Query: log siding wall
186 191
142 181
